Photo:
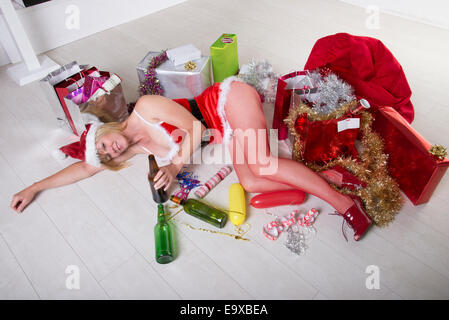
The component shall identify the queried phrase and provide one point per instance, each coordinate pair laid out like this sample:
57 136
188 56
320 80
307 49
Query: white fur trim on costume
90 154
225 86
58 154
174 147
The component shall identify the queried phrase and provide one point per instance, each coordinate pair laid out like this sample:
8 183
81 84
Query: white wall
46 23
433 12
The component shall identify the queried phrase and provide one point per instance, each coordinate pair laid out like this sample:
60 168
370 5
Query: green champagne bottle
163 238
202 211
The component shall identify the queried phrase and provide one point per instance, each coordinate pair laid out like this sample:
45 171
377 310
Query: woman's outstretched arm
71 174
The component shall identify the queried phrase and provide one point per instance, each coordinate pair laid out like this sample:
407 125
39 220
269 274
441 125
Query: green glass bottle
202 211
163 240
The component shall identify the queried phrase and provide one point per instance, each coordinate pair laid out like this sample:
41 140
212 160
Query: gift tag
349 123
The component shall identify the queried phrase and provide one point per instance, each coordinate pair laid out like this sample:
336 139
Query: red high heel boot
357 218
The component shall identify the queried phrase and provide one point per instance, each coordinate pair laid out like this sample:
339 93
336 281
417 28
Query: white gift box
176 81
183 54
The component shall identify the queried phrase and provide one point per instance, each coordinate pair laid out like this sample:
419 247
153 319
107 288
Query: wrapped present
224 55
412 161
298 81
183 81
183 54
107 103
321 138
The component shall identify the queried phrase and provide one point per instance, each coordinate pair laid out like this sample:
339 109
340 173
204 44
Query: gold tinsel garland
381 196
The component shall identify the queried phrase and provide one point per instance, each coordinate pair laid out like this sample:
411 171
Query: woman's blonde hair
102 115
116 127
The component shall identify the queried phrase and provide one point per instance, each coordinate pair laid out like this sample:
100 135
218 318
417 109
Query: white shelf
45 23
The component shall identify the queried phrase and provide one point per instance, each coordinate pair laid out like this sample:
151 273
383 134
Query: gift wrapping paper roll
212 182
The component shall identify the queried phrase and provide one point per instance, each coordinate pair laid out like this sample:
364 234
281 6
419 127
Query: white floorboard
41 250
104 225
14 282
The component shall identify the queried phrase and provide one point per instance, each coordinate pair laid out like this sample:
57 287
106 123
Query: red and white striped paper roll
212 182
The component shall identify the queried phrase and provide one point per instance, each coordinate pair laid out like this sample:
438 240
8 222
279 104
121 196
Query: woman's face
112 144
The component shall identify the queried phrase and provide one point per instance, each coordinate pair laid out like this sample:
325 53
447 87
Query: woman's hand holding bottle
166 176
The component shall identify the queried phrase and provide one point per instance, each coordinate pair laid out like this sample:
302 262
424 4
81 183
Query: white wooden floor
104 225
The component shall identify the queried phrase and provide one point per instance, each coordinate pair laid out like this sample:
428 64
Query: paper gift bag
71 117
176 81
225 60
410 163
107 103
47 84
91 85
302 84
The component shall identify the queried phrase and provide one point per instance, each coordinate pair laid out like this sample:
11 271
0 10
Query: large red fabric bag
367 65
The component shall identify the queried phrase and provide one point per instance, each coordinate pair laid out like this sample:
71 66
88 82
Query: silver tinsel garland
297 239
260 75
332 91
296 242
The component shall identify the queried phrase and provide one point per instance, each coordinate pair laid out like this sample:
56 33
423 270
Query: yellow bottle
237 204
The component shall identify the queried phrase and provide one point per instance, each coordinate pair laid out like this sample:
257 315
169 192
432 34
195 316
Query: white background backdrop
45 24
434 12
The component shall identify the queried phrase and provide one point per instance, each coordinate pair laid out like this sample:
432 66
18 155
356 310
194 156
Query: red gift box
410 163
322 141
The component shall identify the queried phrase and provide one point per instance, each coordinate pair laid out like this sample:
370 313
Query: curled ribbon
273 229
187 181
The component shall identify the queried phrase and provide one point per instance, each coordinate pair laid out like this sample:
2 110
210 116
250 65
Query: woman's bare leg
251 182
244 112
